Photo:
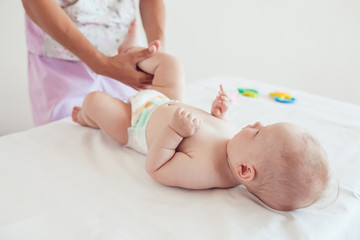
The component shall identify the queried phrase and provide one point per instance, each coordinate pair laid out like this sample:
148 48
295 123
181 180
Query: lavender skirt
56 86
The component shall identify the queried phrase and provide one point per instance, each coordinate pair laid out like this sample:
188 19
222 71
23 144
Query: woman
73 50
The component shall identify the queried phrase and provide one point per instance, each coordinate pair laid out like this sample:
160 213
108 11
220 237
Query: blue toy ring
285 100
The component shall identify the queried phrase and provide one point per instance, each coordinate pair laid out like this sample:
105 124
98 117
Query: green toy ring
248 92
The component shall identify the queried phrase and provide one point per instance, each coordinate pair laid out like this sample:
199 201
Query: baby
187 147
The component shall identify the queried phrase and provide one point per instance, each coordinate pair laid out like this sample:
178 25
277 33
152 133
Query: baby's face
256 139
263 147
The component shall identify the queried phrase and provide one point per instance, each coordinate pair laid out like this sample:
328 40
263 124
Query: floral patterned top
103 22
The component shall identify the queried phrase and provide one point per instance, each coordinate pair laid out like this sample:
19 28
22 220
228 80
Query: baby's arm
163 148
221 104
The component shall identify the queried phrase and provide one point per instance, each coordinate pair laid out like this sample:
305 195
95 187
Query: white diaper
143 105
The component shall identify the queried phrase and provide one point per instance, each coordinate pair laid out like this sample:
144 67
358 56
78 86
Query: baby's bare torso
207 148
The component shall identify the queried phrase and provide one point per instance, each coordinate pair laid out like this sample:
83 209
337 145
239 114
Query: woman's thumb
142 54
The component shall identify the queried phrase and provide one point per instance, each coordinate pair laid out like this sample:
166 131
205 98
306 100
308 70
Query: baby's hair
330 194
294 177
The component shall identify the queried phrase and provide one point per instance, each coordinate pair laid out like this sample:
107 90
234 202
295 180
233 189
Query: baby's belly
159 120
207 147
211 132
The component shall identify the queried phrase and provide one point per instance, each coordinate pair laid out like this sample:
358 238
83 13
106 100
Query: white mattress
64 181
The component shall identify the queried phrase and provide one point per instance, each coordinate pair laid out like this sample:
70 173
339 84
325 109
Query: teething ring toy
248 92
285 100
283 97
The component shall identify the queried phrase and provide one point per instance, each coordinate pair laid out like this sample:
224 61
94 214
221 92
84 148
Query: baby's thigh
169 74
151 64
112 115
169 77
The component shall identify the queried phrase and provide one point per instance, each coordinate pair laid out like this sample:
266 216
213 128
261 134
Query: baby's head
282 164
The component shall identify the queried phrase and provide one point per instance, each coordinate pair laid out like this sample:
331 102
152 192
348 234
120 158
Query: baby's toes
74 114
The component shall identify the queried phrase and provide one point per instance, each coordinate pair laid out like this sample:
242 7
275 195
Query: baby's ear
245 172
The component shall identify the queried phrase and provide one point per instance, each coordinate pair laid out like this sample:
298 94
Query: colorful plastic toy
283 97
248 92
285 100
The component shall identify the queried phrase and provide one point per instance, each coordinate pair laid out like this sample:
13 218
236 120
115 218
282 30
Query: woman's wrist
97 62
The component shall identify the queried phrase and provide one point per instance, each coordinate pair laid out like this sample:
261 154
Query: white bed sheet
64 181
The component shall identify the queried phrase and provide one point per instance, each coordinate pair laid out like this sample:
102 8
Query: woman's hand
123 67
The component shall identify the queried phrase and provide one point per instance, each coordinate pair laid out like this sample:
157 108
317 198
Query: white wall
15 112
312 45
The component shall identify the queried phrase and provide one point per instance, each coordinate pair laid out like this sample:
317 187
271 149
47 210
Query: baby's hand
185 123
221 104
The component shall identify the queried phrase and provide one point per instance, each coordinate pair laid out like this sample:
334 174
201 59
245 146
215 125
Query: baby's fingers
222 91
221 88
223 100
224 104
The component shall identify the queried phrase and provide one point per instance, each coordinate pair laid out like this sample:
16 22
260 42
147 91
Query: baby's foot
154 46
185 123
77 116
131 38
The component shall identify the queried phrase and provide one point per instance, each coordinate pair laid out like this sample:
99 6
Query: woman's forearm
49 16
153 19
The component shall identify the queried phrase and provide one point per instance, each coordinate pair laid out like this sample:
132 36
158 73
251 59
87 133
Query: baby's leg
100 110
168 71
163 149
169 75
131 38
